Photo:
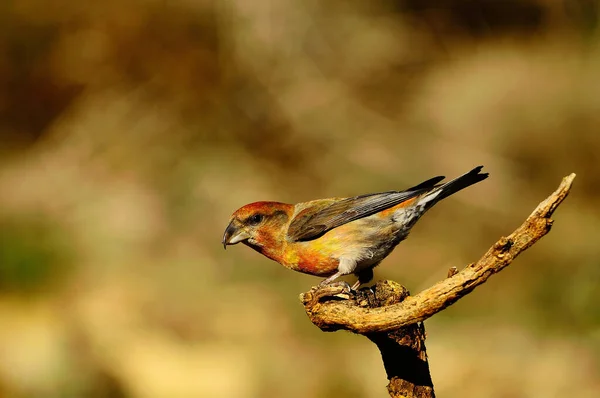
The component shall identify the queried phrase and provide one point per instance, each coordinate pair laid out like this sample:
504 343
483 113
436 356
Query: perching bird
339 236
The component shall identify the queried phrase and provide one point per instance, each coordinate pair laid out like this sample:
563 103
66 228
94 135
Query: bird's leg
364 276
330 279
346 266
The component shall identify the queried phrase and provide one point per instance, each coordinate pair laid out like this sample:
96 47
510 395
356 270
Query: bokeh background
130 130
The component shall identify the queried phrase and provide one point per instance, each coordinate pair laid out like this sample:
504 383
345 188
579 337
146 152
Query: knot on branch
504 244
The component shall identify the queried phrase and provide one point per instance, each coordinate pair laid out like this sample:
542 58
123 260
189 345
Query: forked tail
451 187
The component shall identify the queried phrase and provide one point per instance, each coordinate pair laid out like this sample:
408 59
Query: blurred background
130 130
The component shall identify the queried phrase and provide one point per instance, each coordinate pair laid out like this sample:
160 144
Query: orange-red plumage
339 236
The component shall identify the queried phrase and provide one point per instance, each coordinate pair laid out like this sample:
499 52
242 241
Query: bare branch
349 315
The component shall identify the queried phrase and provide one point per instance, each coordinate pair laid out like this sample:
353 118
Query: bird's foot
335 290
341 286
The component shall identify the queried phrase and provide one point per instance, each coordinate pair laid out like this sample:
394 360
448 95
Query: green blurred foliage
32 255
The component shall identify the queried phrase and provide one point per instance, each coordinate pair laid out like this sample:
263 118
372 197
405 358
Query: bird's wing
323 215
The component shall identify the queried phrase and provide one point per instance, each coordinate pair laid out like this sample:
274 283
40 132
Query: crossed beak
234 234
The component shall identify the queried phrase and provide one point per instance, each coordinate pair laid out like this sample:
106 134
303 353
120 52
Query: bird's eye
255 219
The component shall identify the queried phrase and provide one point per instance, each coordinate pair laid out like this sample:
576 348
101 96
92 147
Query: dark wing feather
314 221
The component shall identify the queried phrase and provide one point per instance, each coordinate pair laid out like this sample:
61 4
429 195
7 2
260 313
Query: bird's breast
316 257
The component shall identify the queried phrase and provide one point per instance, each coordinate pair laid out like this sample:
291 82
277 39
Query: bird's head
260 225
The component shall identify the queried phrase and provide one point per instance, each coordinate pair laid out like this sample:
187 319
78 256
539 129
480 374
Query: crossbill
339 236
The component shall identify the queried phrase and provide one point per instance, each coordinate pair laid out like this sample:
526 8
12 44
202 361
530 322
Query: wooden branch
402 350
332 315
392 319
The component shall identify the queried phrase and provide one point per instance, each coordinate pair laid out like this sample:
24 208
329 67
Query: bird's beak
234 234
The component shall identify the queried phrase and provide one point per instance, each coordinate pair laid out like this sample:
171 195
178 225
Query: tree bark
392 319
402 350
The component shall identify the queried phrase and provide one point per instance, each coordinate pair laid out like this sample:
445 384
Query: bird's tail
451 187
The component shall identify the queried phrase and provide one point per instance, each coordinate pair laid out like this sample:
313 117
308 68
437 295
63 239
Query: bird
339 236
